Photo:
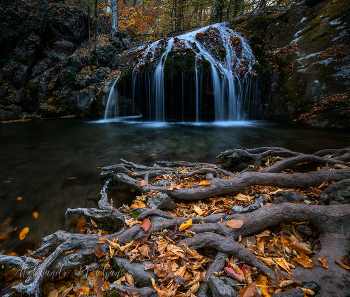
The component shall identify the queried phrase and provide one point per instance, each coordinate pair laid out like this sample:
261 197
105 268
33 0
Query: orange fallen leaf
143 183
81 290
205 183
185 225
137 203
343 265
282 262
5 236
19 198
101 240
304 261
146 224
35 214
99 253
248 290
93 223
235 224
23 233
262 285
73 177
82 230
323 262
81 222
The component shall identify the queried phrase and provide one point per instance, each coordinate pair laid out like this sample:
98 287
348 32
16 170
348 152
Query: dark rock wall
294 41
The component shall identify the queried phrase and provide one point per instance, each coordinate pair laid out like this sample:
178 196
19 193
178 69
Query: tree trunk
115 17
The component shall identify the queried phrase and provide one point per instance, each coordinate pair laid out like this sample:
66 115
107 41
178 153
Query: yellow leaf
132 222
19 198
23 233
262 285
129 279
242 197
137 204
185 225
308 291
205 183
197 209
235 224
323 262
282 262
35 214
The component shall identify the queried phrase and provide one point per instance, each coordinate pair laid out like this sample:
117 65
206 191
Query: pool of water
55 164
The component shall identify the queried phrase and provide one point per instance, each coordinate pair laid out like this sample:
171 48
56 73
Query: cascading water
226 97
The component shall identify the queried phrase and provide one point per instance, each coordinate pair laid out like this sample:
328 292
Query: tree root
62 252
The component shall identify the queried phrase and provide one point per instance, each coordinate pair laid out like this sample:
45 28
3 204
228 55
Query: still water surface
37 160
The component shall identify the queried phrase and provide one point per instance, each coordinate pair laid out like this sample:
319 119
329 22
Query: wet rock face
287 196
161 201
220 288
339 193
307 44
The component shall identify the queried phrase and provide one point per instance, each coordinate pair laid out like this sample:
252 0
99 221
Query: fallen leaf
205 183
137 203
132 222
323 262
73 177
345 260
82 230
185 225
81 290
23 233
143 183
282 262
248 290
93 223
129 279
242 197
308 291
301 248
67 291
235 224
343 265
230 271
197 209
99 253
146 225
98 283
53 293
262 285
101 240
304 261
35 214
81 222
285 283
19 198
5 236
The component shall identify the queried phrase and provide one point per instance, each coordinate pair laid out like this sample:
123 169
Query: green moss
190 61
113 293
222 53
108 224
134 214
258 24
206 65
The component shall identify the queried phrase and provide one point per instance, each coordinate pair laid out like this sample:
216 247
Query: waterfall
231 70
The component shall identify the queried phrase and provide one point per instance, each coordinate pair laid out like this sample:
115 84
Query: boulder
304 230
16 111
21 95
339 193
142 277
41 67
61 50
5 115
240 209
288 196
161 201
220 288
84 100
118 35
163 183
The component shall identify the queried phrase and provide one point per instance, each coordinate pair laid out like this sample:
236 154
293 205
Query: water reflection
54 165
